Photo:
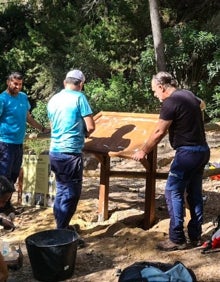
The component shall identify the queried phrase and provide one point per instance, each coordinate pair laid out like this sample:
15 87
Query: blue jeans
185 176
68 169
10 160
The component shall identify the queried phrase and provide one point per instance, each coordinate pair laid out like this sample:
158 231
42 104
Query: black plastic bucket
52 254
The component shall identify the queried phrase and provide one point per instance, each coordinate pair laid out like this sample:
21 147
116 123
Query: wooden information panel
120 135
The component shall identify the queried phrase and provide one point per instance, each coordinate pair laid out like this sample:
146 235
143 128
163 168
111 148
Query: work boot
167 246
195 243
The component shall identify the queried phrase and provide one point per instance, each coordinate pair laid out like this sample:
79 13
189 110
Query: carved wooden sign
120 134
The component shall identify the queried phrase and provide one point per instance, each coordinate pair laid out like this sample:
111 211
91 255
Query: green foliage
113 96
193 58
214 108
36 146
39 113
118 95
111 42
213 67
188 51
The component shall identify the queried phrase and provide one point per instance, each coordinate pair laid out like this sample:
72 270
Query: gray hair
15 75
72 80
165 79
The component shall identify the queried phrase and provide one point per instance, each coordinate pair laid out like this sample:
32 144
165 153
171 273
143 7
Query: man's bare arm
154 139
89 125
36 124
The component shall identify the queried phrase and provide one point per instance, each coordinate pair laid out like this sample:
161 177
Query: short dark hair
5 186
15 75
165 78
72 80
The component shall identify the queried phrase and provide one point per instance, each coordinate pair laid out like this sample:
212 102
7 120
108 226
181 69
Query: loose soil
120 241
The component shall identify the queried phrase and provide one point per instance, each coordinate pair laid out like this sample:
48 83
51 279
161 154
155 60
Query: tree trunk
157 36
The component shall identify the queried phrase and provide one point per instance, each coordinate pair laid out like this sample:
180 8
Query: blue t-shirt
13 117
66 110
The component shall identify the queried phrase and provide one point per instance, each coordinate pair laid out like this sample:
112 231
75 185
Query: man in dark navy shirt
182 117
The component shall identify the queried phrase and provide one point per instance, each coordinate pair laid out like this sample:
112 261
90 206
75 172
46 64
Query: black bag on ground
157 272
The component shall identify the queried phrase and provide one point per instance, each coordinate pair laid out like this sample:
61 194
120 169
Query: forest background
112 43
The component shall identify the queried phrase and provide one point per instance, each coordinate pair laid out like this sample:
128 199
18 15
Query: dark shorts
10 160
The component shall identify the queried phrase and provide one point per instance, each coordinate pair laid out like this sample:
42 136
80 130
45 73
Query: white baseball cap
76 74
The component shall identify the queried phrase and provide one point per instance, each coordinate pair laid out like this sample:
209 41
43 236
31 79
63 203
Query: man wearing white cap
71 121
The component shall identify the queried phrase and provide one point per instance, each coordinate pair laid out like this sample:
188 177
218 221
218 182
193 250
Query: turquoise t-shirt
66 110
13 117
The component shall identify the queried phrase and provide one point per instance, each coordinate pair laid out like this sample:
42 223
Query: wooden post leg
149 212
104 188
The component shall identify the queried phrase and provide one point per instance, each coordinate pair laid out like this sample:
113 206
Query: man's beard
13 91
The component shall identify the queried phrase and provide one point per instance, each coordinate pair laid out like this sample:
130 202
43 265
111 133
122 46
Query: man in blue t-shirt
14 114
71 121
181 117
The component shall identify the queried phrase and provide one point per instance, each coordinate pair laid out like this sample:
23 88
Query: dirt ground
120 241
